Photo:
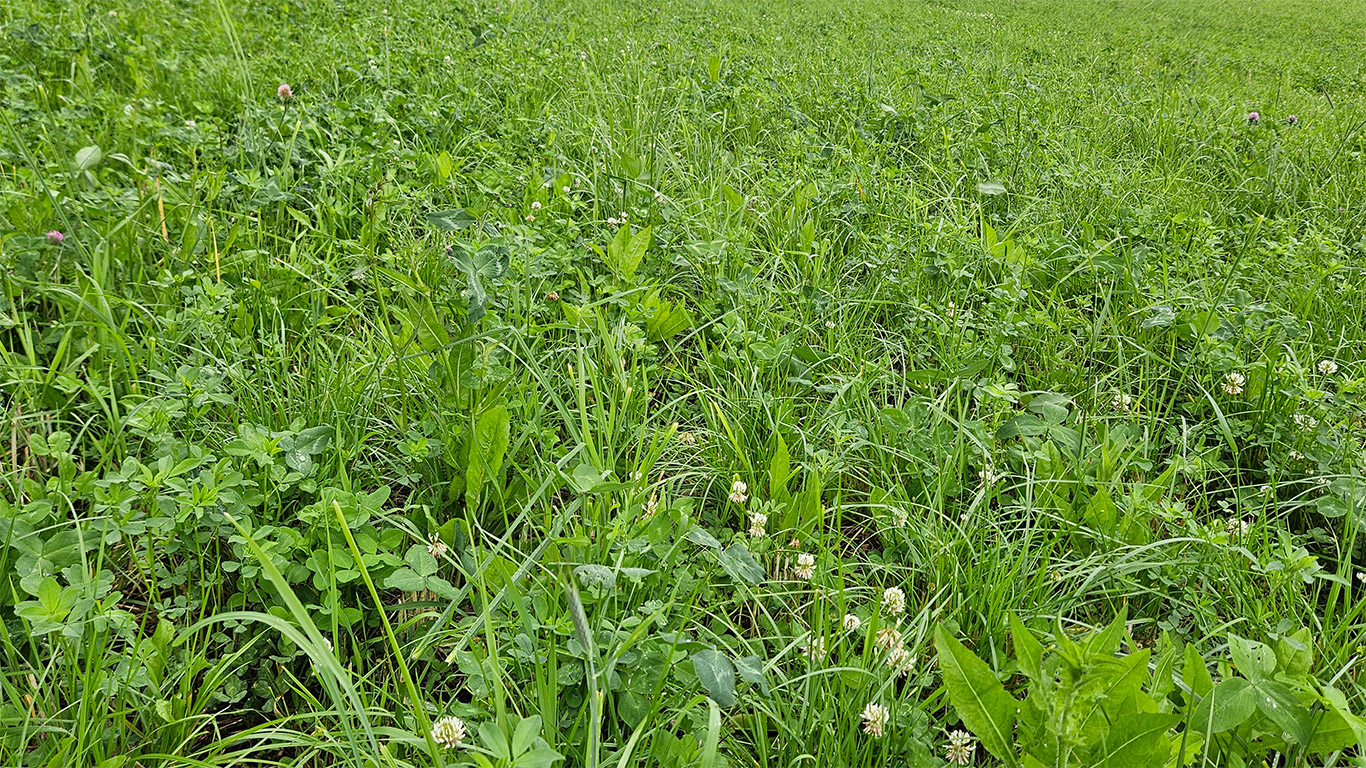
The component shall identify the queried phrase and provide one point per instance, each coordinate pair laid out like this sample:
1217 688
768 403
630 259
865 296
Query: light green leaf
452 220
405 579
1137 740
716 674
740 564
978 697
1028 650
88 157
1226 706
1253 660
489 446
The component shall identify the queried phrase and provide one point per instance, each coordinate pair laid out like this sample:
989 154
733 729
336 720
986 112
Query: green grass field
689 383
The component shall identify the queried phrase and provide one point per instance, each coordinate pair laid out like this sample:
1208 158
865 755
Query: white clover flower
986 476
806 566
900 516
449 732
875 717
1328 367
851 622
687 438
1305 421
738 491
612 221
651 507
960 748
535 205
1361 577
530 217
1233 383
900 661
436 547
888 638
622 216
1236 527
894 600
830 324
757 521
1122 402
815 648
564 190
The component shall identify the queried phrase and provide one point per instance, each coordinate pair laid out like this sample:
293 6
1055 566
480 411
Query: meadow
688 383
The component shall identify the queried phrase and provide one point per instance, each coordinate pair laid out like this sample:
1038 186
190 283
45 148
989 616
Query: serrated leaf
716 674
977 696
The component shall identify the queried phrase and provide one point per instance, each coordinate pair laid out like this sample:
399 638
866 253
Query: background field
509 366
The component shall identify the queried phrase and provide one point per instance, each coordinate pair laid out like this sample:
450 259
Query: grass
456 383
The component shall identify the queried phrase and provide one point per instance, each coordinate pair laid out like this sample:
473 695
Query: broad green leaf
1252 659
1225 707
405 579
525 735
991 188
490 262
452 220
593 575
495 740
1137 740
627 258
977 696
779 468
1106 642
1295 654
699 535
751 669
740 564
539 758
716 674
488 447
1028 650
1195 674
1279 704
88 157
420 560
